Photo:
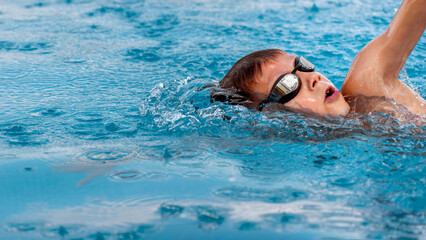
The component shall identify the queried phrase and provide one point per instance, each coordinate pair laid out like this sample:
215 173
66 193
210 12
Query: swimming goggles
288 85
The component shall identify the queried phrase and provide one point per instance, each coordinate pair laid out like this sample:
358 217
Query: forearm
403 33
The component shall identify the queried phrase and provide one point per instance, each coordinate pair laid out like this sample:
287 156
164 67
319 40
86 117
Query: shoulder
376 105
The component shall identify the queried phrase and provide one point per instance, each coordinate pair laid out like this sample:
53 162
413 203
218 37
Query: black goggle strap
274 97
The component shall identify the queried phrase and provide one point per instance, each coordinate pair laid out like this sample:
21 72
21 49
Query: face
317 95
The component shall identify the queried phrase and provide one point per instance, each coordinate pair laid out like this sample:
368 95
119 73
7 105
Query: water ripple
190 163
90 117
104 155
209 218
28 169
48 112
12 74
38 4
64 231
176 155
147 228
22 134
139 74
157 176
100 236
247 226
158 27
146 55
126 175
112 127
252 194
170 210
24 47
239 150
194 175
344 182
287 218
25 226
125 13
128 235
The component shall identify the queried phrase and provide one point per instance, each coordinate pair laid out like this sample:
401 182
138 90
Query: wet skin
373 73
317 95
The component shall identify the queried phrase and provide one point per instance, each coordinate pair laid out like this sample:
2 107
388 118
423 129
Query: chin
346 109
339 112
341 109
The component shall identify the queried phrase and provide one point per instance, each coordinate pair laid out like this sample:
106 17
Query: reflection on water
108 130
129 194
330 178
150 218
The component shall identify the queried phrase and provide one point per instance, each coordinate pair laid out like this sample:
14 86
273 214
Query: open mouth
330 93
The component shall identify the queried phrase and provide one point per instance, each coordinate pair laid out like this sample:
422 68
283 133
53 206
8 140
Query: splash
185 107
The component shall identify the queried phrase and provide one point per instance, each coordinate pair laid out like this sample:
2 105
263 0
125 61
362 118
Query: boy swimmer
275 77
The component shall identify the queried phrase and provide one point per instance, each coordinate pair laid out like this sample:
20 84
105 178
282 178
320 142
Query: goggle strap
269 99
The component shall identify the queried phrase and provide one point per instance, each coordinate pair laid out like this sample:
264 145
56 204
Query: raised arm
375 69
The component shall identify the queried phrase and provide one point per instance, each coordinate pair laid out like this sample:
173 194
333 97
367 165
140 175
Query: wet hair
236 83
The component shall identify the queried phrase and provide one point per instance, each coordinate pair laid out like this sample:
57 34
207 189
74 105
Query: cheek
311 101
306 104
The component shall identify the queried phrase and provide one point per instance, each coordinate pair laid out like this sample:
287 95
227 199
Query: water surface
107 131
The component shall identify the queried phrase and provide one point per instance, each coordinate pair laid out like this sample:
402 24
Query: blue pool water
107 131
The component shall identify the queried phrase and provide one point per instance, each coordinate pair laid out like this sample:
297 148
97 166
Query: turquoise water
107 131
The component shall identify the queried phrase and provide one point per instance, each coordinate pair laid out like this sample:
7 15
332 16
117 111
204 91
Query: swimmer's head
256 74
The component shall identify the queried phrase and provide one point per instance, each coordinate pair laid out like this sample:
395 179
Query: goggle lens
285 88
288 85
303 65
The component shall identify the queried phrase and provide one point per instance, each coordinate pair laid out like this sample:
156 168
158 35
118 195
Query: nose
310 79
